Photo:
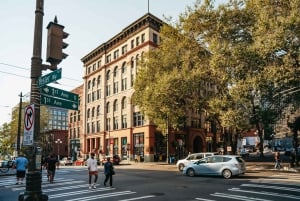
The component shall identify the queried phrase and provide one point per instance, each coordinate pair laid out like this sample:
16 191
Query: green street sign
51 77
56 102
51 91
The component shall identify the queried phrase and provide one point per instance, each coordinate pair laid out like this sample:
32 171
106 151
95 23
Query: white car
66 161
192 158
222 165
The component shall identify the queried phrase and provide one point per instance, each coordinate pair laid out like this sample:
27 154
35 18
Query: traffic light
55 43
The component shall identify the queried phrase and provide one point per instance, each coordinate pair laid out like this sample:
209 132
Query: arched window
98 110
94 82
88 113
124 103
93 112
137 60
116 71
98 80
124 67
89 84
115 105
108 75
107 107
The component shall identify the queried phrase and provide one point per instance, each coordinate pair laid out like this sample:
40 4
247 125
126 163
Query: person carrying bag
108 172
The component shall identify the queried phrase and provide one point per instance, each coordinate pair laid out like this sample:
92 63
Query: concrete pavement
251 166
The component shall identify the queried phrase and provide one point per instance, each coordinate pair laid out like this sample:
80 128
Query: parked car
192 158
222 165
115 159
66 161
244 153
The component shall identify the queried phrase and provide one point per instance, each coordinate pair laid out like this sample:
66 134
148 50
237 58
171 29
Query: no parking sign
28 125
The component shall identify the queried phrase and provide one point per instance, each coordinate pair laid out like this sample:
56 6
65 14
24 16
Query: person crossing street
108 172
93 170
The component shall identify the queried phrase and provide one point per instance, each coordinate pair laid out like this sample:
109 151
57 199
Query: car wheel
226 174
190 172
180 167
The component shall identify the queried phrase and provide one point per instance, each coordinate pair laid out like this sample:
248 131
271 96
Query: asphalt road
161 182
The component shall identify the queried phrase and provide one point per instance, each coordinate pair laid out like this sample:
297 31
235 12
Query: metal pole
167 137
19 125
33 178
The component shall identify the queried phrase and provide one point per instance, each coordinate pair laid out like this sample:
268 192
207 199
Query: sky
89 24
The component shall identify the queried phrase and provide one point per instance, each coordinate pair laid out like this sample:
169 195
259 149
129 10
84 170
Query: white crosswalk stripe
277 186
74 190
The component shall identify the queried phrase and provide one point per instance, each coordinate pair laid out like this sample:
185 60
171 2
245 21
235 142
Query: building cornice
148 20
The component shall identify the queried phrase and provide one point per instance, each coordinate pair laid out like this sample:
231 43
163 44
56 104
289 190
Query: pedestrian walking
21 166
93 170
277 160
52 164
108 172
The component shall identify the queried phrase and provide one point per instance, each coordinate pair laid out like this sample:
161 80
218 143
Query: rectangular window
99 63
124 121
116 54
138 119
132 44
116 89
124 84
155 38
98 126
143 37
108 58
108 90
137 41
116 123
124 49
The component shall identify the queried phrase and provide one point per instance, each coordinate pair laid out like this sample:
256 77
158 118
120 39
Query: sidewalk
251 166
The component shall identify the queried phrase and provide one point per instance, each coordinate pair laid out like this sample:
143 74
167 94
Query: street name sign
50 77
58 93
56 102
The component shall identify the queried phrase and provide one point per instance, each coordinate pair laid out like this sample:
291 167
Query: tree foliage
247 49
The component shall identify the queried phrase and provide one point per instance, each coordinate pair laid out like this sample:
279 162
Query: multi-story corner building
111 123
55 135
76 127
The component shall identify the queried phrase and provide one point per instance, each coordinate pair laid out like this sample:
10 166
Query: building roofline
148 17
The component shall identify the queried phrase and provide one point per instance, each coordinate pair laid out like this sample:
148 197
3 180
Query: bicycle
4 166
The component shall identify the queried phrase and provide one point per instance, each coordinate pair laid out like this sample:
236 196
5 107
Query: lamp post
58 141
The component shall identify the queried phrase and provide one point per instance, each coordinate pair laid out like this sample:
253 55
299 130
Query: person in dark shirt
51 164
108 172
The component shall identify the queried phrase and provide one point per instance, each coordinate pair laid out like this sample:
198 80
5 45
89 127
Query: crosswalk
74 190
272 188
276 187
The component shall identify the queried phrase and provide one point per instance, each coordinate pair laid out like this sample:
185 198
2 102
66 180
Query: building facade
75 134
111 124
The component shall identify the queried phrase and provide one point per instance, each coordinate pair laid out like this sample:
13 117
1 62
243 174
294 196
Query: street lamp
58 141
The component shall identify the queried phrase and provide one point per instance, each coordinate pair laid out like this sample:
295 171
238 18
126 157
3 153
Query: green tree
248 50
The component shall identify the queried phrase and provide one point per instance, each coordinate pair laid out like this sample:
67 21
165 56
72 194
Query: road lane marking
94 197
266 193
238 197
273 187
139 198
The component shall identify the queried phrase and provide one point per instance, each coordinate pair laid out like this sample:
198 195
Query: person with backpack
108 172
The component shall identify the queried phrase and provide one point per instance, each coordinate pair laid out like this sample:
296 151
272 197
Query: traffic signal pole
33 190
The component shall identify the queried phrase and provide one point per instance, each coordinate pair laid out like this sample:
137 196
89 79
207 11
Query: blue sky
89 23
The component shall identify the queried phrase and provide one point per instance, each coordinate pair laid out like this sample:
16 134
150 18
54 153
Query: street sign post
58 93
28 125
51 77
56 102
